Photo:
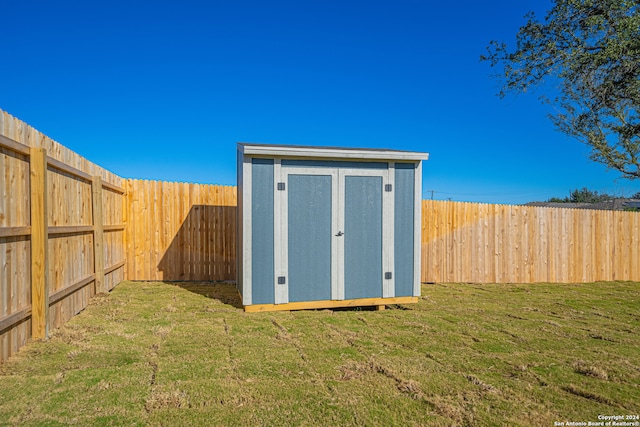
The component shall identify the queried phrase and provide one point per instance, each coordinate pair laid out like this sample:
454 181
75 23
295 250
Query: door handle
340 233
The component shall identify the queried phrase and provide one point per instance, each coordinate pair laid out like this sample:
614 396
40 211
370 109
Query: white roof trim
330 152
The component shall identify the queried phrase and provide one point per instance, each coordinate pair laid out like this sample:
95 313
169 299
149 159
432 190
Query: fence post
98 233
39 244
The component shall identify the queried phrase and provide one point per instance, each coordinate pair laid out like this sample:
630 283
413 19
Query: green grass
169 354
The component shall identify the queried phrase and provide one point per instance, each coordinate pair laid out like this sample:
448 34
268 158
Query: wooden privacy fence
482 243
180 231
61 233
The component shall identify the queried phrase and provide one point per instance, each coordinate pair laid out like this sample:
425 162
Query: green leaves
588 53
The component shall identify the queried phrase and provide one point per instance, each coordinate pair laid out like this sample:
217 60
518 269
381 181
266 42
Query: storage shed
323 227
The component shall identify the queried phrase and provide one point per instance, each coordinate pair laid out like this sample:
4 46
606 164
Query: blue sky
164 90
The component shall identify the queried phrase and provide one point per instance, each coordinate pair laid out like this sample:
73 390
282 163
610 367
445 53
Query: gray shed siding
334 164
262 267
239 228
403 228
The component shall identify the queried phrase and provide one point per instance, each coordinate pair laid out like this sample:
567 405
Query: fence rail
61 233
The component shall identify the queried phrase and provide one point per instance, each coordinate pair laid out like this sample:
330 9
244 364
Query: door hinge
281 186
387 275
388 187
281 280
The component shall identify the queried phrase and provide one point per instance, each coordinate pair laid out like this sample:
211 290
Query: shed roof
329 152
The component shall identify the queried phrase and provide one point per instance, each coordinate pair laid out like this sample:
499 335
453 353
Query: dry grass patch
166 399
573 389
584 368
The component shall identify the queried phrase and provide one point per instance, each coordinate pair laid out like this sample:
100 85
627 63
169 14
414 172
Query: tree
583 196
588 51
587 196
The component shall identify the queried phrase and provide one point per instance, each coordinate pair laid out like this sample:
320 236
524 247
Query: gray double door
333 234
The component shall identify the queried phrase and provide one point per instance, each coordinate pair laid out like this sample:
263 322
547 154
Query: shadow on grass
371 308
225 292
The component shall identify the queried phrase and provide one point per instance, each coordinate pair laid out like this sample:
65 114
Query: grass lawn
186 354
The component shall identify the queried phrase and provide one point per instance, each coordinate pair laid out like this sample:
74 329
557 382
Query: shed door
332 231
309 237
362 236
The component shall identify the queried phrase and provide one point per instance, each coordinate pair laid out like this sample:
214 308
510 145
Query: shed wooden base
309 305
